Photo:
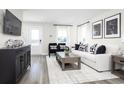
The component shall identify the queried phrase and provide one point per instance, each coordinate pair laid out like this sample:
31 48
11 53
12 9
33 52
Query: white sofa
100 62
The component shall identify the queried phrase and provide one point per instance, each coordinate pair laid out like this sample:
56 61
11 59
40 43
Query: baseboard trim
43 54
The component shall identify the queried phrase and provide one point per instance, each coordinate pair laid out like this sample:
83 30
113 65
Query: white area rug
86 74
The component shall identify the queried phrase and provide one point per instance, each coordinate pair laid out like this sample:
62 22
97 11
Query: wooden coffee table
68 62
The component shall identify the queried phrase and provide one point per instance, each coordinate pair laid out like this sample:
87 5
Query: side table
117 59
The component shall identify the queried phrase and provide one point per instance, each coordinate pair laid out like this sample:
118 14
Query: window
35 37
82 32
63 34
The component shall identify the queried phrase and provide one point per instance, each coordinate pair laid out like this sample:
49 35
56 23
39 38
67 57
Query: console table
14 63
117 59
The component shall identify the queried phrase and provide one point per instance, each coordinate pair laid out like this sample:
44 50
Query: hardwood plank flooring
37 73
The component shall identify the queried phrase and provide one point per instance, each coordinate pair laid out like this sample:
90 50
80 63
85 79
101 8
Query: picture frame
112 26
97 29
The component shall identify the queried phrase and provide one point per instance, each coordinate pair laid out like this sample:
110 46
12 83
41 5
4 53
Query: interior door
36 41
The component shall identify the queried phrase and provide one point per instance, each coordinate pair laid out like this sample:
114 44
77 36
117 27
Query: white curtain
63 34
82 32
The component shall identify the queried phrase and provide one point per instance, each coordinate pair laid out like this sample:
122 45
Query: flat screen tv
12 25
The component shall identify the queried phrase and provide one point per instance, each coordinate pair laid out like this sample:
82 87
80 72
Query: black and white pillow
80 47
86 47
83 47
53 47
62 46
93 48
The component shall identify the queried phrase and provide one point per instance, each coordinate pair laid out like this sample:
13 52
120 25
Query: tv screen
12 25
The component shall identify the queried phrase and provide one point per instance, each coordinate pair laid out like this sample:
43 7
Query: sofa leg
49 54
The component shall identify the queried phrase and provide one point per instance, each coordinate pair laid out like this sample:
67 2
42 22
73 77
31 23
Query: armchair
61 46
52 48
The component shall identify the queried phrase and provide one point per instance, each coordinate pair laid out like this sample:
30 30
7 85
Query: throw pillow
62 46
86 47
93 48
83 47
53 47
101 49
77 46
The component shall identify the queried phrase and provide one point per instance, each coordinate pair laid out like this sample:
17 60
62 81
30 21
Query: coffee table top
71 55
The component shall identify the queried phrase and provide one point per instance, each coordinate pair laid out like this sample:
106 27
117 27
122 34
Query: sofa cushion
94 57
87 55
79 53
100 62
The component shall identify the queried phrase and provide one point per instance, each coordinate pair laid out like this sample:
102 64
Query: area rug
85 74
108 81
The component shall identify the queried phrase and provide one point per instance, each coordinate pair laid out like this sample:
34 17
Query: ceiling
61 16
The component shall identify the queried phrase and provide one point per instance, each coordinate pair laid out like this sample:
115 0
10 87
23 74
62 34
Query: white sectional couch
100 62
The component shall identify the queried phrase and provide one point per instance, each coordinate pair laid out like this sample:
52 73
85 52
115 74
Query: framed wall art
97 29
112 26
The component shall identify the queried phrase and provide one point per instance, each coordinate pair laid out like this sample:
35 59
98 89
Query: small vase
67 53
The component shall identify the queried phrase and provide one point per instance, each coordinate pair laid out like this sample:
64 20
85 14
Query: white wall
48 34
73 35
112 44
48 29
5 37
17 12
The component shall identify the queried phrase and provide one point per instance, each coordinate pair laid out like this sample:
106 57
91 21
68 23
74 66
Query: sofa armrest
103 61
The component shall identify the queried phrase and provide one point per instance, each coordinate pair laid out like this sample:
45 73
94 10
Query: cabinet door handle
121 61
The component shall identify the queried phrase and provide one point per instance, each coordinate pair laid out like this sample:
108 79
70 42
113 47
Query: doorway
36 40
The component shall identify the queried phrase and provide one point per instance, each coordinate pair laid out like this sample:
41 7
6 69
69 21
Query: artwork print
112 26
97 29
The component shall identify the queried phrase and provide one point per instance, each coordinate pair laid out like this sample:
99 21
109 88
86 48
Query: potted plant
66 50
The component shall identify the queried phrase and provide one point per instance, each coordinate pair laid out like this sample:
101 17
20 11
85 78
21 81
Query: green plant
66 48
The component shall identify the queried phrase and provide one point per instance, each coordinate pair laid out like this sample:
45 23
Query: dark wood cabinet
117 65
14 63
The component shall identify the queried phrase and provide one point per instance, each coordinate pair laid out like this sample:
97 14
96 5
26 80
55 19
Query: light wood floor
38 73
